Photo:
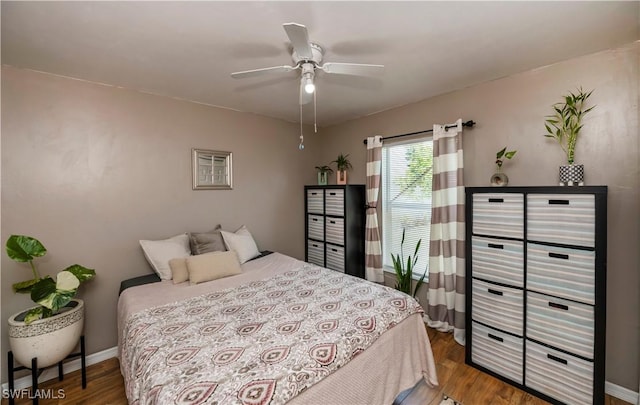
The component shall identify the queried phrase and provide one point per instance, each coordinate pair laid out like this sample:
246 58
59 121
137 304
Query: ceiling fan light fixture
309 87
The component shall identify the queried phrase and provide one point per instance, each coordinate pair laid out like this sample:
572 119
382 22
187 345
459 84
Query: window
406 200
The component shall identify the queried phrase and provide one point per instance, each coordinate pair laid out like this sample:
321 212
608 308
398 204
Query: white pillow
242 243
159 252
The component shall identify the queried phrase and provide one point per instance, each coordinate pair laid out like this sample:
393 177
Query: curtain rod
469 124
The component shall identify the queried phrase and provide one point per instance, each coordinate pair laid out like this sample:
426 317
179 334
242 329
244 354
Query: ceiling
187 50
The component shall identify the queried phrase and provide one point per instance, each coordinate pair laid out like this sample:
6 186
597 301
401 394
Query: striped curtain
373 251
445 310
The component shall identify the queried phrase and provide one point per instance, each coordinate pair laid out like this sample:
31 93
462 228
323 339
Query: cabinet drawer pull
559 255
332 193
314 193
559 306
496 292
558 202
496 200
558 359
495 246
494 337
335 250
314 219
314 245
332 222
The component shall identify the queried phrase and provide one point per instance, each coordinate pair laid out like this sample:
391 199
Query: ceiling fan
307 57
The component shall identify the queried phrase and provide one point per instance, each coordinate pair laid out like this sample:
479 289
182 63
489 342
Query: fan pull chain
315 114
301 146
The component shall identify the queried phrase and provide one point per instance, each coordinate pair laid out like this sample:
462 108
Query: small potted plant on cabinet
500 179
564 125
342 165
323 174
51 330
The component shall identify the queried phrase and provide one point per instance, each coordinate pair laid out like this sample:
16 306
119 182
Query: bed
282 331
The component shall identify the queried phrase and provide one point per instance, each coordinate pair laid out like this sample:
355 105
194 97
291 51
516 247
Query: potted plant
342 165
51 330
564 126
404 273
500 179
323 174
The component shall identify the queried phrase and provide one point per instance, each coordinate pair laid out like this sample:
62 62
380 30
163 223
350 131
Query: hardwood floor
468 385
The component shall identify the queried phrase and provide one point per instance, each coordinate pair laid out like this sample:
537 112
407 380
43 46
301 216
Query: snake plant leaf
33 315
24 287
81 272
24 248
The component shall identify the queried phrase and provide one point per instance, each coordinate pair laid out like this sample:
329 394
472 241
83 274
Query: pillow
212 266
242 243
206 242
179 270
159 252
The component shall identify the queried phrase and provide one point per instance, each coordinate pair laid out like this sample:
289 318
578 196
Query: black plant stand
35 372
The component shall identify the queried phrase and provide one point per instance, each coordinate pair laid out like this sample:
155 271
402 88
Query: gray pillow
206 242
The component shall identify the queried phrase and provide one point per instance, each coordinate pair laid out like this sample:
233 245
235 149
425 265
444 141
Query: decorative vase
341 177
571 175
322 178
499 179
49 339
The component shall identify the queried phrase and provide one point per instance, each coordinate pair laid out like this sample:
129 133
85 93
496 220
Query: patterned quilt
263 342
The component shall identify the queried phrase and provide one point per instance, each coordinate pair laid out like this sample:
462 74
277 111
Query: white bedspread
284 331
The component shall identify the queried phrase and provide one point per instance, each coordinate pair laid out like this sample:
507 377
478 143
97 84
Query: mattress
283 331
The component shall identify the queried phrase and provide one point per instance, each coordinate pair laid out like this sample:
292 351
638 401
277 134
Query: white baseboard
73 365
622 393
612 389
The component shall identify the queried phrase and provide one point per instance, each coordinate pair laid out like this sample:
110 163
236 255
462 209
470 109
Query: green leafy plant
324 169
49 294
504 154
565 123
404 271
342 163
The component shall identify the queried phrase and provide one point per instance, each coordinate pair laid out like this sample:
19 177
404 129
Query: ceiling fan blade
305 98
260 72
352 69
299 38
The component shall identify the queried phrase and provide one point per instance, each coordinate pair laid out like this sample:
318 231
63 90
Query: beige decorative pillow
212 266
179 270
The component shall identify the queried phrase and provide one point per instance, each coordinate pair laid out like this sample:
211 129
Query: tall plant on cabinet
564 126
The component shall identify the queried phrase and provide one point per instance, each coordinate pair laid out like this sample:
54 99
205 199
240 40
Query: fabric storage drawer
498 260
316 227
335 202
315 201
566 273
335 230
561 218
497 306
564 324
315 252
497 351
335 258
498 214
559 375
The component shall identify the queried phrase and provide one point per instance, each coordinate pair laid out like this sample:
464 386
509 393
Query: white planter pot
50 339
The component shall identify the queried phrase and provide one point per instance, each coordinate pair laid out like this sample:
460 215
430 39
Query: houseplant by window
404 270
564 126
51 330
342 165
323 174
500 179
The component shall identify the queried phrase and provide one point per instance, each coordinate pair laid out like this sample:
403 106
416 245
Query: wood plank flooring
105 385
